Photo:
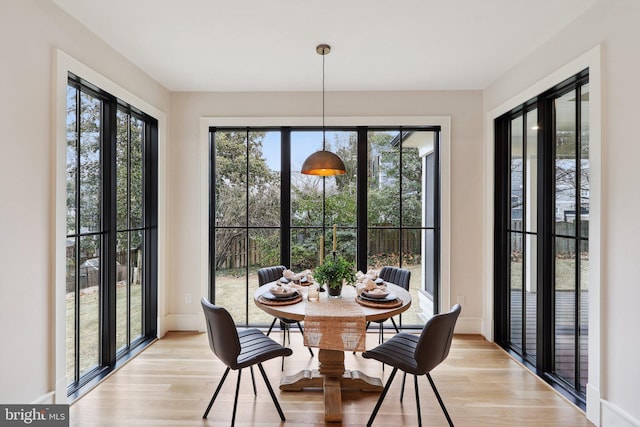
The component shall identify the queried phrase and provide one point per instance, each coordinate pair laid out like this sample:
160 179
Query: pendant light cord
323 129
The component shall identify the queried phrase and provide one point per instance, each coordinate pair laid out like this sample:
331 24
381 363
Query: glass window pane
429 261
305 248
585 169
90 171
565 309
340 190
565 163
383 197
306 190
517 173
430 204
264 251
136 274
531 293
412 261
584 314
264 178
412 177
383 247
345 243
531 168
230 271
264 247
122 171
89 313
515 286
122 287
72 158
70 303
136 169
231 178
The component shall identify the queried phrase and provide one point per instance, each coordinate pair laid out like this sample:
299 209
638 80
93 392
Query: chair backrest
222 332
270 274
398 276
435 339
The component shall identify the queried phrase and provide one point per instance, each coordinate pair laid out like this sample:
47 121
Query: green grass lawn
89 318
565 274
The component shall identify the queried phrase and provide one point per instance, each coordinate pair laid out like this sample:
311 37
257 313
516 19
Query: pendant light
323 163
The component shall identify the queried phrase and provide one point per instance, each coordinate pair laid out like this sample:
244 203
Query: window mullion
109 233
78 240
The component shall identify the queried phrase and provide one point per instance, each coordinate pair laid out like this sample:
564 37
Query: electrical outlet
187 298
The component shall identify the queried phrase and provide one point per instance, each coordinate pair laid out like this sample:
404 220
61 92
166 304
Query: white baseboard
184 322
593 404
464 325
44 399
469 325
613 416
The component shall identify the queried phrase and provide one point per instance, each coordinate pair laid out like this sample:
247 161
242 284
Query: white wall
188 198
30 30
613 25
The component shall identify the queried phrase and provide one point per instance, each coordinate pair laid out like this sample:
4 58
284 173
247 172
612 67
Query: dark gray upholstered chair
238 350
417 355
271 274
397 276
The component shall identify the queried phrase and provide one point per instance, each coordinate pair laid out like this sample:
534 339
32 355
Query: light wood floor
171 382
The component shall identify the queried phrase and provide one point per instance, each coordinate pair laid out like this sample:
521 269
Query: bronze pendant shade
323 163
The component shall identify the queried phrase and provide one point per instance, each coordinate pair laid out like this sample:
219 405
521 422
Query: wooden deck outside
565 327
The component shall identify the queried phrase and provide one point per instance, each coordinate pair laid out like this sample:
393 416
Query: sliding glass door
542 234
111 231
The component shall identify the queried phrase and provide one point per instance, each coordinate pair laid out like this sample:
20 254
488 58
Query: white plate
376 295
279 292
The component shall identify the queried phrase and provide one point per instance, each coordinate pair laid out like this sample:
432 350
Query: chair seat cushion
398 352
256 347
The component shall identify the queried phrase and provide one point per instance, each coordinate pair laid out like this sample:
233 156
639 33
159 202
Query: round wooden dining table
331 375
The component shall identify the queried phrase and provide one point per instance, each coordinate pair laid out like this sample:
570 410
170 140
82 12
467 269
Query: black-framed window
542 241
111 290
265 212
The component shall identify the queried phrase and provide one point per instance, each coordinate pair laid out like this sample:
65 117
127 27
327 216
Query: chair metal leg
382 396
215 394
273 396
404 378
235 400
395 326
253 381
284 341
381 334
435 390
302 333
271 327
415 382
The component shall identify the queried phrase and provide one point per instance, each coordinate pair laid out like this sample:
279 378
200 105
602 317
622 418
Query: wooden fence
381 242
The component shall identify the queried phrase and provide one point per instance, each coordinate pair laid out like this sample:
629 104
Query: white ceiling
260 45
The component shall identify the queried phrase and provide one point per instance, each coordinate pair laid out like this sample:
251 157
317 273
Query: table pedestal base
332 378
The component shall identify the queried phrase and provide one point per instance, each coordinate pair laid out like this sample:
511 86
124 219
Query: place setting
372 292
286 290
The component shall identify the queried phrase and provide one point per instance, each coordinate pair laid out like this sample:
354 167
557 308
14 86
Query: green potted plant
334 272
